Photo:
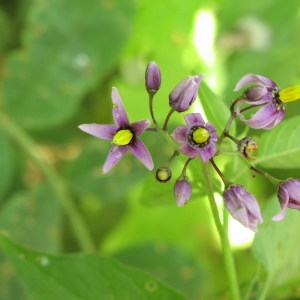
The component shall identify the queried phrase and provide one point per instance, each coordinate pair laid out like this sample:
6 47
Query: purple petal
284 201
212 131
101 131
180 134
189 150
140 151
140 126
207 152
119 113
266 117
114 156
194 119
253 78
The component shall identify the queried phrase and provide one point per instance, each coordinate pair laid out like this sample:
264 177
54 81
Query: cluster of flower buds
198 139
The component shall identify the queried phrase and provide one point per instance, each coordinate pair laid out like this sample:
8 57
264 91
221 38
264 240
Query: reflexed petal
180 134
284 200
194 119
114 156
140 126
101 131
253 78
266 117
140 151
119 113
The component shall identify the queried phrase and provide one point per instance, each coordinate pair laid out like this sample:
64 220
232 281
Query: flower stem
223 233
151 96
54 179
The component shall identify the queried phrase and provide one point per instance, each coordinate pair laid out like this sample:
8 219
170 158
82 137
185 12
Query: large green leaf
280 148
68 46
7 164
276 245
81 276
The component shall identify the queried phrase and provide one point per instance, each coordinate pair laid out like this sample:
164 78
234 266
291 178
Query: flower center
199 136
122 137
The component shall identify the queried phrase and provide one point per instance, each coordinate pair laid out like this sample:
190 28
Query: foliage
58 62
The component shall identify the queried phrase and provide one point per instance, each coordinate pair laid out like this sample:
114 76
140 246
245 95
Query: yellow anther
122 137
290 94
200 135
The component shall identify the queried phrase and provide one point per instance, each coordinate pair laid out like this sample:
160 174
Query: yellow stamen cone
290 94
122 137
200 135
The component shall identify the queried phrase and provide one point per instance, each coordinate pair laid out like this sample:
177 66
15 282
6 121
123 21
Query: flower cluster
198 139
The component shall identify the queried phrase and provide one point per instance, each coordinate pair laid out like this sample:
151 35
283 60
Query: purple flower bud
242 206
152 78
185 93
289 197
182 191
256 93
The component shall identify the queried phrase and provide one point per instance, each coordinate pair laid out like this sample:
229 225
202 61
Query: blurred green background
58 62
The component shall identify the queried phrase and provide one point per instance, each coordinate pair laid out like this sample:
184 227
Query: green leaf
33 218
69 46
280 148
217 112
276 245
81 276
7 164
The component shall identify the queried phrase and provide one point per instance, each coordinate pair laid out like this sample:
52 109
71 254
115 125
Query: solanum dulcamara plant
198 139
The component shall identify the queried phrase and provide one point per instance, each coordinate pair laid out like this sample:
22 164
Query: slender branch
151 96
168 118
54 179
222 230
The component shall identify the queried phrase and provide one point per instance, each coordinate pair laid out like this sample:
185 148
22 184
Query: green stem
56 182
223 233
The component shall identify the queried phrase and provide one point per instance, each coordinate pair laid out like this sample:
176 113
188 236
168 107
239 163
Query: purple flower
289 197
198 138
185 93
242 206
123 135
264 93
182 191
152 78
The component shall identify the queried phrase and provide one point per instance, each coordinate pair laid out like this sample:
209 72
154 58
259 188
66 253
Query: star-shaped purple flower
123 135
264 93
198 138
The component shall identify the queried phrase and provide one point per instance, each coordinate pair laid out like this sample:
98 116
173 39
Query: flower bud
256 92
182 191
242 206
185 93
152 78
163 174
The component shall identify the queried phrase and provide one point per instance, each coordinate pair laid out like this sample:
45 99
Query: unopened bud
182 191
256 92
163 174
185 93
152 78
